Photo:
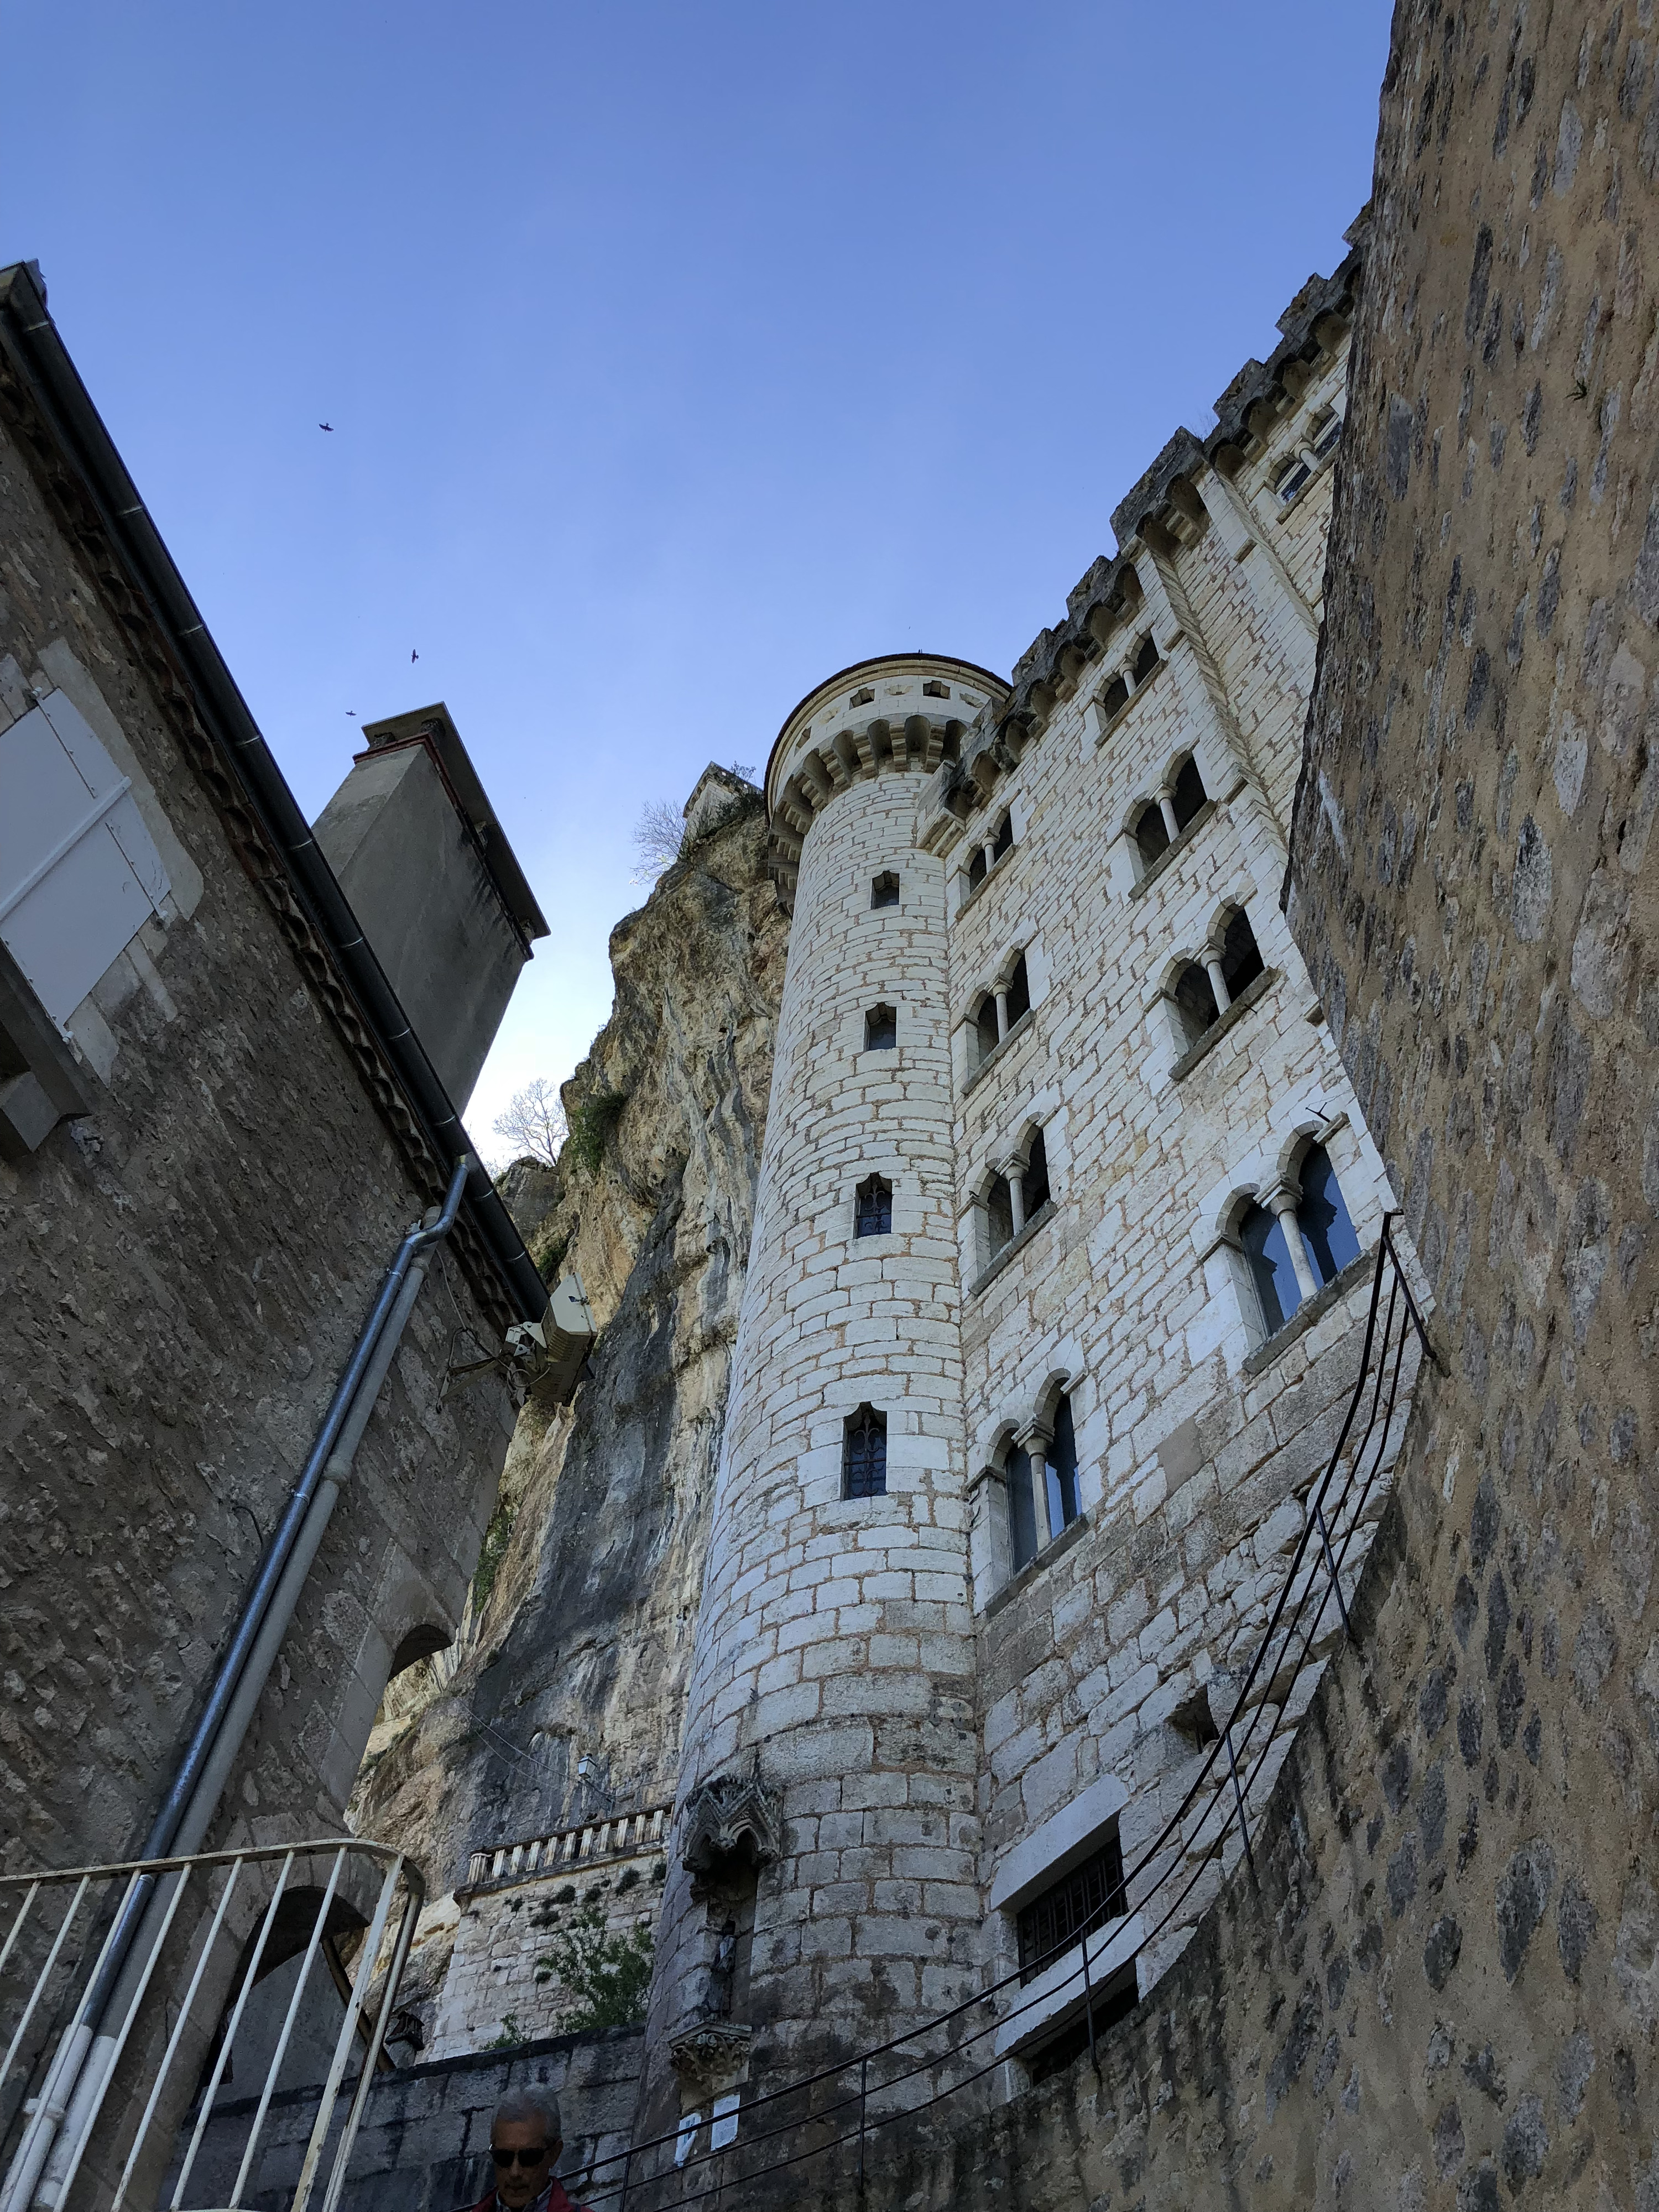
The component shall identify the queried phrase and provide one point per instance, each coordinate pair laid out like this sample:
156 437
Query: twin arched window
1017 1197
1202 992
1301 1240
1162 820
1000 1009
1041 1480
990 851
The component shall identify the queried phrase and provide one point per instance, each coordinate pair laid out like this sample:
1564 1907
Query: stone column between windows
1035 1443
1282 1202
1166 805
989 849
1223 997
1016 1175
1002 1015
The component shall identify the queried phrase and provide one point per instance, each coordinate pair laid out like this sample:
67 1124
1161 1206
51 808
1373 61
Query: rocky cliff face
562 1702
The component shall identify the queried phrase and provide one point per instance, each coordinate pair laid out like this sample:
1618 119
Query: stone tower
830 1703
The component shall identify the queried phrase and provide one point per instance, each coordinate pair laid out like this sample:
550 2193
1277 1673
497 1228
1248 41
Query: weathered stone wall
567 1703
182 1275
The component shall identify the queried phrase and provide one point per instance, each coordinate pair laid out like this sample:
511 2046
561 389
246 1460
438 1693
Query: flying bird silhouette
325 426
352 712
414 656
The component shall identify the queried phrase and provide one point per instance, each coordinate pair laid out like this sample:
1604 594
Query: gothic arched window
881 1028
874 1215
864 1455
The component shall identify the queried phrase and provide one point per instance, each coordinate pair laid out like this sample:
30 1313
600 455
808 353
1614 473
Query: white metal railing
111 2071
619 1835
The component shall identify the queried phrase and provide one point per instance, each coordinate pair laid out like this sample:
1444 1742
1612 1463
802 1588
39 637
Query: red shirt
553 2199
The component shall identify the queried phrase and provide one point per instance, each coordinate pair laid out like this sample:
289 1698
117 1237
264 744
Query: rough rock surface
579 1631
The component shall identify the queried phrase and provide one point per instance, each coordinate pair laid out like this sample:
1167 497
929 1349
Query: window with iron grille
1083 1901
875 1207
864 1455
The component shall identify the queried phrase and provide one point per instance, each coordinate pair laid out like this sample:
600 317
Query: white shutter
79 872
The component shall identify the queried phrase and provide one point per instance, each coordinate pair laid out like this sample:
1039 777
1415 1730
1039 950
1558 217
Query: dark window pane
1189 793
976 869
1241 962
986 1026
1146 659
1269 1257
1036 1182
1151 833
880 1030
885 892
1083 1901
1000 1215
875 1207
1004 836
1062 1470
1022 1510
864 1460
1323 1215
1115 698
1019 992
1196 1002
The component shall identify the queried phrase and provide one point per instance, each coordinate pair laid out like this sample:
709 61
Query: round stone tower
822 1887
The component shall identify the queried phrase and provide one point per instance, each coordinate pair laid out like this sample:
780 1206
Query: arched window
998 1216
1115 698
1146 659
985 1026
874 1213
1326 432
1194 1002
1003 838
880 1029
1035 1181
1062 1470
1189 794
1028 1528
1277 1292
1324 1233
1022 1509
864 1455
1292 477
976 868
1322 1217
885 890
1151 832
1019 992
1241 961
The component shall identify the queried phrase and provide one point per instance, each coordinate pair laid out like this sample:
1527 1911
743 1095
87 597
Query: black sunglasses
519 2157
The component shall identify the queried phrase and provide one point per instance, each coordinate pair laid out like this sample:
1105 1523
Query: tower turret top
835 719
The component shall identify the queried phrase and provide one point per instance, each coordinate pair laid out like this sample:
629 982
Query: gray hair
535 2105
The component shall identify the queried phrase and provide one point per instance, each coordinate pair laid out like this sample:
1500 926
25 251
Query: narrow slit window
1241 960
1189 794
1019 992
1194 1002
884 890
1322 1217
1151 833
1088 1898
1062 1470
1035 1183
864 1455
1022 1510
881 1028
875 1207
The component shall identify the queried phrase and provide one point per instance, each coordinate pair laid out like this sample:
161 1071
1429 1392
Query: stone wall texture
183 1273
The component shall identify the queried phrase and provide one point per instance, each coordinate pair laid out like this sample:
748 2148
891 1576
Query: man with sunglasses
525 2141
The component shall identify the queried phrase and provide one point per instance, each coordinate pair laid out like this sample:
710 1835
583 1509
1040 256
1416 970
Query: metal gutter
41 359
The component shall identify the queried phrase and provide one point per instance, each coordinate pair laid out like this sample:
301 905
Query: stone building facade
215 1135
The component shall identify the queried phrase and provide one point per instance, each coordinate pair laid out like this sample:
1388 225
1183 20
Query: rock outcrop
561 1700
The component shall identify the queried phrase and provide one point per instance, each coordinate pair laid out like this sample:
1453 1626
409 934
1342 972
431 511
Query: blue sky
677 356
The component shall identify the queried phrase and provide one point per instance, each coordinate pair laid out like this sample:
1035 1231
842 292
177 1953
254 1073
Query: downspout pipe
79 2074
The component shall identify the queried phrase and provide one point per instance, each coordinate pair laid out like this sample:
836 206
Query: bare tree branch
658 836
534 1123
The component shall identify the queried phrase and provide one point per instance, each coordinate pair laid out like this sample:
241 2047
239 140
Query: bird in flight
351 714
414 656
325 426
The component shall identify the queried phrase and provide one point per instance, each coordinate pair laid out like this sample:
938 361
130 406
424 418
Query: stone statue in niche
717 1980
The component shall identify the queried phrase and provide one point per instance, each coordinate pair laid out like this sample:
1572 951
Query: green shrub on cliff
608 1976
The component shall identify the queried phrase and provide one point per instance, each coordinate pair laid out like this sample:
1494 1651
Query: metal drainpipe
79 2073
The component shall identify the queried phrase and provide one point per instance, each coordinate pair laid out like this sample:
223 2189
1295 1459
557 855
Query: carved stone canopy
710 2059
732 1821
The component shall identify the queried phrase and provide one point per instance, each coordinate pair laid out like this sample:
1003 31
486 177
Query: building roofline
996 683
64 439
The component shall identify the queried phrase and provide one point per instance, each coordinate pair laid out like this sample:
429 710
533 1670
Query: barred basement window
864 1455
881 1028
1079 1903
874 1216
885 890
